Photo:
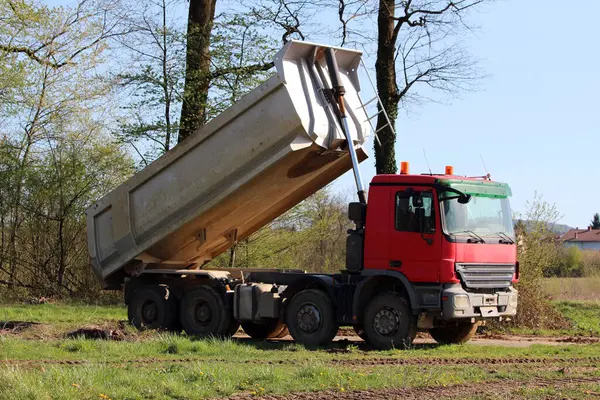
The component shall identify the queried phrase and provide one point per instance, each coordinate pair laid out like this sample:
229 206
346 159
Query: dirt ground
499 390
481 340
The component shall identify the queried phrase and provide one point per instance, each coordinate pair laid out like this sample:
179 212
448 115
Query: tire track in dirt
501 389
463 361
340 362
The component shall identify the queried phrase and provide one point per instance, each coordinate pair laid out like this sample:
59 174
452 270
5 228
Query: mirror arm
428 240
460 194
421 227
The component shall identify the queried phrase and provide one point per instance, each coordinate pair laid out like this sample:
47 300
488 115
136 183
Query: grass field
39 362
167 366
575 289
578 299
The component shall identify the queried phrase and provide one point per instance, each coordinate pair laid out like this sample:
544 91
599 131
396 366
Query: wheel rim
308 318
387 321
149 312
203 313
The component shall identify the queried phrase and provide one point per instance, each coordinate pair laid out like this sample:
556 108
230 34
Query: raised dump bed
275 147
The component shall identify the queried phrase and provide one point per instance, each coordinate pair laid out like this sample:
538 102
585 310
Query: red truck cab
448 231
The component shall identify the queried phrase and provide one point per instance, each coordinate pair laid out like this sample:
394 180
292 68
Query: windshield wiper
478 239
506 238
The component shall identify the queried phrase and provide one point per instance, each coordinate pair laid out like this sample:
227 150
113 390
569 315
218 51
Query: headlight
513 300
461 301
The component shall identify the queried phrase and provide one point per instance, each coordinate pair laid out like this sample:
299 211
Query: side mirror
464 199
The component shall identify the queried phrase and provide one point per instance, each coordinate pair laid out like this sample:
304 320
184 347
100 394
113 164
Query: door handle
395 263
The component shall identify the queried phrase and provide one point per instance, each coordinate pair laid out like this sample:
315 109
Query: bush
537 251
591 263
575 263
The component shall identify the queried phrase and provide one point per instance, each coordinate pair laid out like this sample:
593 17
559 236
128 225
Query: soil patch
100 332
15 326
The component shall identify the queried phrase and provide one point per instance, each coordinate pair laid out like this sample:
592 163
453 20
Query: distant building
585 239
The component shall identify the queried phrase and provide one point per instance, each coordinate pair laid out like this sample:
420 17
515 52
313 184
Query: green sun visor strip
497 190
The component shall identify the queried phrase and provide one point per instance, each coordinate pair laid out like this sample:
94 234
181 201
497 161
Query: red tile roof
581 235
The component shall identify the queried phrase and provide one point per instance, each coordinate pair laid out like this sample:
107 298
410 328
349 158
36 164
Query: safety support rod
338 93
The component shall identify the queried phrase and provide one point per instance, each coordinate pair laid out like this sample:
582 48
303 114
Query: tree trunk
385 72
197 70
232 252
165 75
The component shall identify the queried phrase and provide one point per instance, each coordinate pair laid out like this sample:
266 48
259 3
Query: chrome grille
483 276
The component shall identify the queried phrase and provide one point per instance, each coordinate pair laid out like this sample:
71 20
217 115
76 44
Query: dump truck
431 252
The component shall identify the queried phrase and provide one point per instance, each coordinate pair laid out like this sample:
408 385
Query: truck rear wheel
271 330
458 333
311 318
203 313
389 323
152 307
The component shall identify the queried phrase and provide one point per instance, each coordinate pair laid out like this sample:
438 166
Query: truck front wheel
389 323
152 307
311 318
203 313
460 332
271 330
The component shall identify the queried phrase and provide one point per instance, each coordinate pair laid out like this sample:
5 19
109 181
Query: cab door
414 248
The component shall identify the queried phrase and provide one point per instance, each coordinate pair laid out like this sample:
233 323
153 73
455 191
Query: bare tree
353 15
56 47
151 78
418 40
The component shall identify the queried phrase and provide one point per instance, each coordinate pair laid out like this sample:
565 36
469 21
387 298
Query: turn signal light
449 170
404 168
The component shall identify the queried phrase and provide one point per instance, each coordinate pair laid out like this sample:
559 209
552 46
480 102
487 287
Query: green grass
585 289
222 368
63 314
155 365
200 380
584 315
167 347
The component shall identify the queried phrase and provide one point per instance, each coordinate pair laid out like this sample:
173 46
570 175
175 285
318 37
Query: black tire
311 318
360 331
270 330
203 313
389 323
152 307
458 333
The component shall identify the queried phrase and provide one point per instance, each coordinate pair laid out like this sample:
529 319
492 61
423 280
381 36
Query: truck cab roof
471 185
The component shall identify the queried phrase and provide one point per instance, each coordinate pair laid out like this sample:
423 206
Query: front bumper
458 303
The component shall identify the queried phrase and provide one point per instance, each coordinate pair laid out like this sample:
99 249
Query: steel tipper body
270 150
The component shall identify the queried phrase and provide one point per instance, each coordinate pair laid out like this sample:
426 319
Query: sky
535 119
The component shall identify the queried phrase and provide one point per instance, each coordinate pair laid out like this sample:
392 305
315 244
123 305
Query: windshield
482 216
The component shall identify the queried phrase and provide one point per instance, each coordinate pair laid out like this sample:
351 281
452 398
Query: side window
406 217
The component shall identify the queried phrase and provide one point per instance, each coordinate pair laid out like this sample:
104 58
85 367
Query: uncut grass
168 346
586 289
202 380
584 317
65 315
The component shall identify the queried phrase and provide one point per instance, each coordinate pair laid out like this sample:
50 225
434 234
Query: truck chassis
383 307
